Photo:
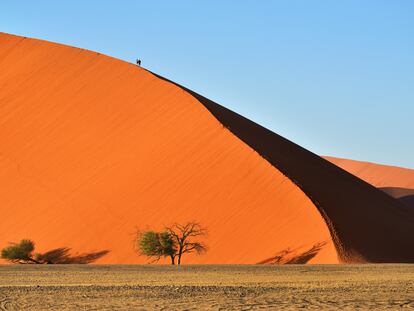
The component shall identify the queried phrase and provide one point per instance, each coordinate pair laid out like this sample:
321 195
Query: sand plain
206 287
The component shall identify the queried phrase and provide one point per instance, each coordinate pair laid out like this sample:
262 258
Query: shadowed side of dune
366 224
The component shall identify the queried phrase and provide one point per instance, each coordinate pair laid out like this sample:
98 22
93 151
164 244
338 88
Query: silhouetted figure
139 62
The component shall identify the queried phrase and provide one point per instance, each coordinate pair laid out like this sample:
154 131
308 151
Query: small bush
19 252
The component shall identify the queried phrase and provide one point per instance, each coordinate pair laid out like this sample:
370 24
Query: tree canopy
173 242
21 252
156 245
184 235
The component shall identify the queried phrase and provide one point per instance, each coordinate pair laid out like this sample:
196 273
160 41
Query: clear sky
336 77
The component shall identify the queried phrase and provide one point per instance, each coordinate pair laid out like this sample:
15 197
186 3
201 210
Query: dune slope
377 175
93 148
367 225
397 182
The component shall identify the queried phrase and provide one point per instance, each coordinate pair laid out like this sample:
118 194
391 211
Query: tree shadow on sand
290 256
62 256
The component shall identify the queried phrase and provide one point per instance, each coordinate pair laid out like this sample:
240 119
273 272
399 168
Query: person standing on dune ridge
139 62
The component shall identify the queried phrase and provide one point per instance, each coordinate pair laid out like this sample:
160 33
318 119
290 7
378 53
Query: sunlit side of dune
93 148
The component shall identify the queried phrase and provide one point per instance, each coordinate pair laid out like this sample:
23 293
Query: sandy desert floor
227 287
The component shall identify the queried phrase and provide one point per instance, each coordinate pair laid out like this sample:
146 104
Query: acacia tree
173 242
184 235
21 252
156 245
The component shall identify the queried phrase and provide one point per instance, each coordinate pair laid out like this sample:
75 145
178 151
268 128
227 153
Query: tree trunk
172 260
179 259
33 260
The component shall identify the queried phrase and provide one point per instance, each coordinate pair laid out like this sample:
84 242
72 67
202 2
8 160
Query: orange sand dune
398 182
92 148
366 224
377 175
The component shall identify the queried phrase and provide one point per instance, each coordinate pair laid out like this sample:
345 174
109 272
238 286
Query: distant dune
396 181
92 148
378 175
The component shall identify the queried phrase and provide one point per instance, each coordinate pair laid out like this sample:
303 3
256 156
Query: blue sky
336 77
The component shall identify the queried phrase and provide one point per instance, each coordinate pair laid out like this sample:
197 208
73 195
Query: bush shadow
62 256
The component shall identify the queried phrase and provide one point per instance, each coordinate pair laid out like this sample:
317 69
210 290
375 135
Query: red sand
93 147
398 182
377 175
